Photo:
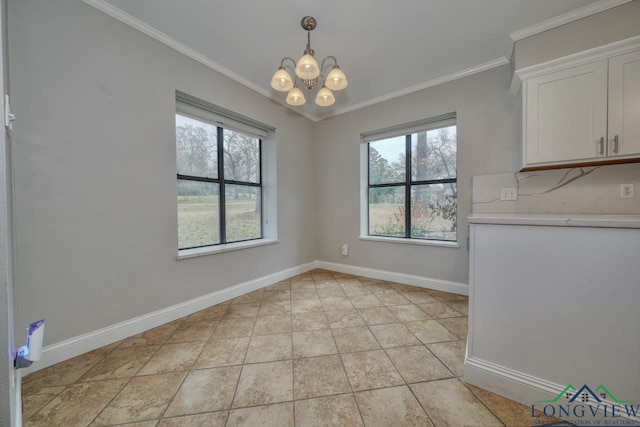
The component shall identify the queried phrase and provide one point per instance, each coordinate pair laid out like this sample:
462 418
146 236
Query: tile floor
320 349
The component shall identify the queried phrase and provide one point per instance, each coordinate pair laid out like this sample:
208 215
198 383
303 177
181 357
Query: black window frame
222 183
407 184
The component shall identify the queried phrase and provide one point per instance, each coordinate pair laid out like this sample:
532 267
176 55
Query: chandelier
307 70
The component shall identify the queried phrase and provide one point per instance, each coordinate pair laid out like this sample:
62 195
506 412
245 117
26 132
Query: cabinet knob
615 144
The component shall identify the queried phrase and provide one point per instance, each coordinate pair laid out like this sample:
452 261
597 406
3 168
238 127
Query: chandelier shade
308 70
281 80
295 97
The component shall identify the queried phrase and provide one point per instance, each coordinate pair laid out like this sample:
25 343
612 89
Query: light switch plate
627 191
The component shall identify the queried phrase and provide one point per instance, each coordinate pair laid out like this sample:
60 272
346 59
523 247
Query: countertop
558 220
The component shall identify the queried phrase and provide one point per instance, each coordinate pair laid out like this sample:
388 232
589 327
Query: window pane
196 147
387 161
433 154
387 211
241 157
243 206
198 214
433 211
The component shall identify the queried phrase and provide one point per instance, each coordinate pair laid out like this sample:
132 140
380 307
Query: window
412 181
219 178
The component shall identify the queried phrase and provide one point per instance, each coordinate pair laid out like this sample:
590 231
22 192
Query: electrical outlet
345 249
627 191
508 193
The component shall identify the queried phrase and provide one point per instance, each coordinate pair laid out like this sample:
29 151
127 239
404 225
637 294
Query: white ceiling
386 48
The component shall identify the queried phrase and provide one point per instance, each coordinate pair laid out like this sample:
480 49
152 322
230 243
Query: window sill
210 250
411 241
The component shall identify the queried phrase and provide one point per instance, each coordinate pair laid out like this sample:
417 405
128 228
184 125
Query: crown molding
163 38
566 18
421 86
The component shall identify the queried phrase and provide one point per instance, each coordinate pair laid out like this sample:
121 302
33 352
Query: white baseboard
527 389
76 346
81 344
405 279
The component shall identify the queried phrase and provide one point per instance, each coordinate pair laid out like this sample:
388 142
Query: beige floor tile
264 383
344 318
364 301
143 398
155 336
120 363
309 322
173 358
451 354
393 335
446 296
512 414
393 299
419 297
408 313
78 404
251 297
212 313
194 331
377 315
152 423
236 328
460 306
336 303
355 289
350 340
275 308
241 311
276 296
299 294
63 373
457 325
399 287
306 306
224 352
430 331
380 288
326 282
319 376
417 364
348 281
302 284
205 390
269 348
266 325
278 415
439 310
284 285
449 402
211 419
313 343
331 292
395 407
36 399
370 369
340 410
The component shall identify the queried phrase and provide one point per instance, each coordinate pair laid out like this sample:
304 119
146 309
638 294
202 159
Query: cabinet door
566 115
624 104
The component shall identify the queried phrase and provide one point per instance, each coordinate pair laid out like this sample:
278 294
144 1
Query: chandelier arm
290 59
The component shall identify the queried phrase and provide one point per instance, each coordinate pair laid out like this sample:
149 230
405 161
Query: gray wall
615 24
10 408
487 138
95 174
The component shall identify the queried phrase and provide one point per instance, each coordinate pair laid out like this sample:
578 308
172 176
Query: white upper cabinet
624 105
583 114
566 115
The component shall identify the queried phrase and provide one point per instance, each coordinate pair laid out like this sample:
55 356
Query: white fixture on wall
307 70
32 351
